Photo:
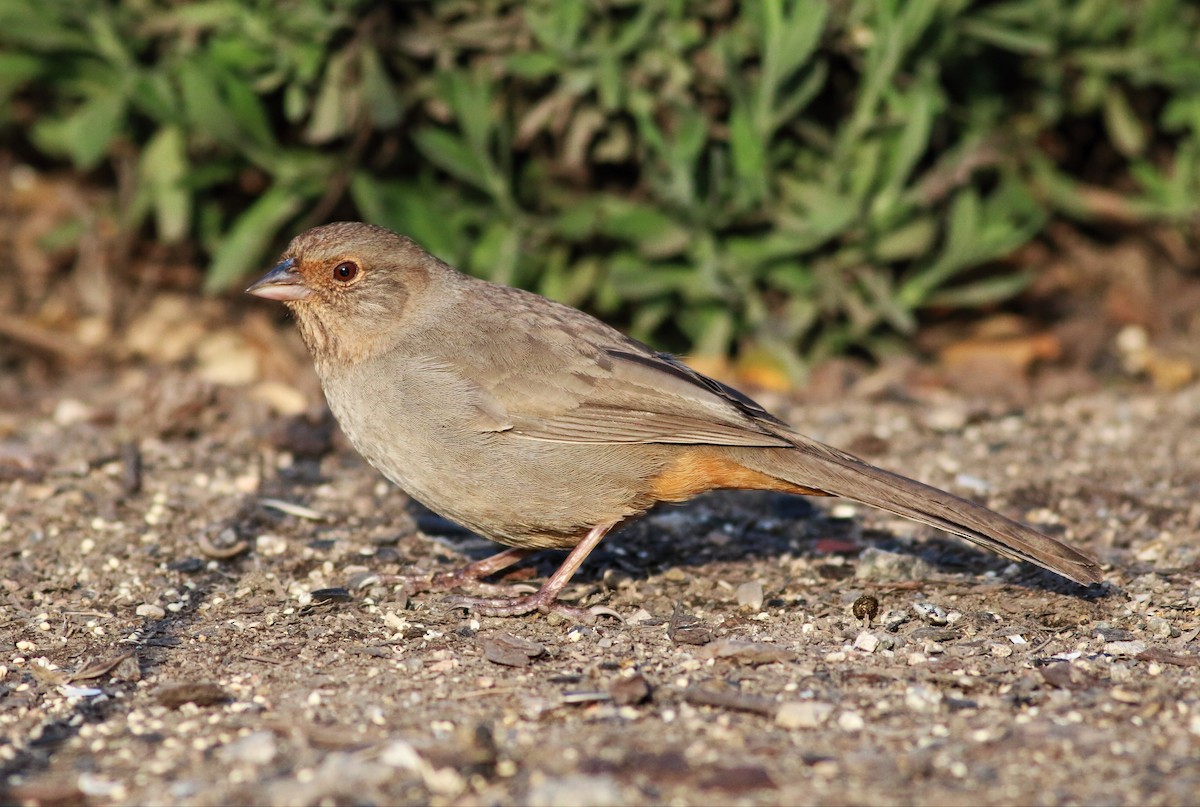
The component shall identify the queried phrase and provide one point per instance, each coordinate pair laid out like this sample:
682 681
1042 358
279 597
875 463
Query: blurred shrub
787 178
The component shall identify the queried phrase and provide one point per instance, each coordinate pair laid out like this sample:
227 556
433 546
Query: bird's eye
345 271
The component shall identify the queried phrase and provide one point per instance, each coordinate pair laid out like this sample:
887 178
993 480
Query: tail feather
815 465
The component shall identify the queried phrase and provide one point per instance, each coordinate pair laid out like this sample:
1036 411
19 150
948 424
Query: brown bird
540 427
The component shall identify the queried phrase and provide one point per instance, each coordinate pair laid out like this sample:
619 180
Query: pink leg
546 599
467 574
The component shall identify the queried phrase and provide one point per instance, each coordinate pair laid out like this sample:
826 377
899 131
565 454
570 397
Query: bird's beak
282 283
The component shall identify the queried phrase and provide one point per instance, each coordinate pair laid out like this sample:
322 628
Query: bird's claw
519 606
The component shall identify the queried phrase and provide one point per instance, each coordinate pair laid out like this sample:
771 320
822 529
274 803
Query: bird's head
351 286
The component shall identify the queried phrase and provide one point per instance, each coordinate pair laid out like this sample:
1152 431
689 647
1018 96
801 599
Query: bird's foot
420 582
543 602
471 573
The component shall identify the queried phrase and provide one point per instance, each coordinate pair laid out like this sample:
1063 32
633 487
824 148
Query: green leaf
202 102
533 65
336 107
495 254
382 100
245 244
246 110
1031 43
630 277
710 327
85 134
556 25
414 209
749 154
653 232
983 292
908 241
1127 132
163 170
448 152
16 69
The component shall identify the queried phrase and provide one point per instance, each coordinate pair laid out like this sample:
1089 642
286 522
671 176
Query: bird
538 426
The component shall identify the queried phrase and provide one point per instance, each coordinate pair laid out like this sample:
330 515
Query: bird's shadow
739 526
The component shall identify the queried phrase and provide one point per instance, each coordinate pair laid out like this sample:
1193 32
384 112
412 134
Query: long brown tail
820 467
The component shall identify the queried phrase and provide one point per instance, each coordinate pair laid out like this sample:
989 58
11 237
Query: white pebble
851 721
750 595
803 714
866 642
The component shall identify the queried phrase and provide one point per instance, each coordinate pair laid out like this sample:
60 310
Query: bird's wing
643 397
615 390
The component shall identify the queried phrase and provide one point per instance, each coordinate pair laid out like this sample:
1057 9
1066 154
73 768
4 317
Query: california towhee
540 427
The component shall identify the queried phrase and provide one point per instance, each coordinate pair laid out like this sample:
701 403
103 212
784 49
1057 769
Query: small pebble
69 411
933 614
1159 627
1130 648
575 791
921 698
946 418
879 565
750 595
803 714
867 642
851 721
151 611
257 749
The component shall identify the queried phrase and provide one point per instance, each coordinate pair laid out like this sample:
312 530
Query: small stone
69 411
803 714
508 650
629 690
201 693
575 791
1159 627
226 357
946 418
933 614
640 617
921 698
866 642
1130 648
258 748
972 483
151 611
880 565
282 398
675 575
270 545
851 721
1120 673
750 595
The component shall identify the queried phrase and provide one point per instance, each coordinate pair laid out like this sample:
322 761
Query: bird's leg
546 599
471 573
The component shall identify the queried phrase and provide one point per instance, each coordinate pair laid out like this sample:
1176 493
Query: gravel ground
172 633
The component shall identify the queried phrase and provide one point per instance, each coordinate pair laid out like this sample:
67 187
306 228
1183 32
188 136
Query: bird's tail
816 466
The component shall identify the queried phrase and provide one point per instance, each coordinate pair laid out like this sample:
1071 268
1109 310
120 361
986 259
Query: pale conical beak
282 283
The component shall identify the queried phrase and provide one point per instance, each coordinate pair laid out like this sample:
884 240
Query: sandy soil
169 634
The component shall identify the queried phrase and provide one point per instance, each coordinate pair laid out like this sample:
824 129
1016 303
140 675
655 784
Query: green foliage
792 178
